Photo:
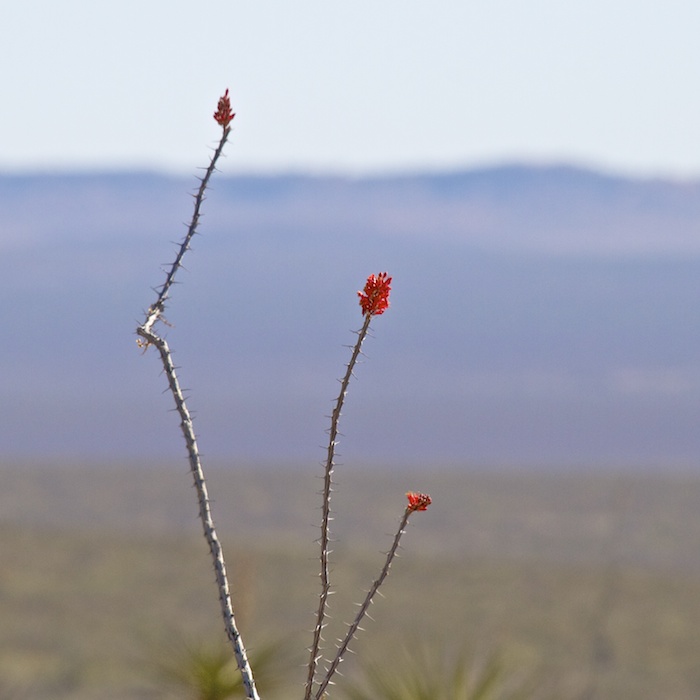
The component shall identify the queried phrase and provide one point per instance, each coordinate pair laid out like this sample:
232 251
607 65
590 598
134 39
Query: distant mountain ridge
539 315
557 209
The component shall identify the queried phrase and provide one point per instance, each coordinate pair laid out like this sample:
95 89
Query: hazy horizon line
347 173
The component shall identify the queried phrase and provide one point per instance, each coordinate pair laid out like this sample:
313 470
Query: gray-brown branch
315 654
364 607
149 337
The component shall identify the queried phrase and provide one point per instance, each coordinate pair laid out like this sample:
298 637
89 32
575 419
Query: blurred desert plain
589 582
537 374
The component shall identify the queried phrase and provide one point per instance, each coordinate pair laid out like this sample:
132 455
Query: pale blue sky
361 87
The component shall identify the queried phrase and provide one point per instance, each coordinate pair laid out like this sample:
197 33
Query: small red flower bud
374 298
223 115
418 501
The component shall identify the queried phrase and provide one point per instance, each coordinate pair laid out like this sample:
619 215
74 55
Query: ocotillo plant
374 301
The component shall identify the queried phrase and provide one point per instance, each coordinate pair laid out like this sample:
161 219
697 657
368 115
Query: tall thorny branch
147 336
315 650
223 116
374 301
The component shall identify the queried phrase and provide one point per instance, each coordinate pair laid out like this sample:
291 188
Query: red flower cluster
223 115
418 501
374 298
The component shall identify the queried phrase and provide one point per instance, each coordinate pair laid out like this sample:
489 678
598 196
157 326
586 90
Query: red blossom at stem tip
418 501
374 298
224 115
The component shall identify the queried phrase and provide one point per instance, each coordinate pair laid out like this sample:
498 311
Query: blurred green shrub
208 672
422 674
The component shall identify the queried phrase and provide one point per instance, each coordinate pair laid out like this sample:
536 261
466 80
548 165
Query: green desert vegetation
587 585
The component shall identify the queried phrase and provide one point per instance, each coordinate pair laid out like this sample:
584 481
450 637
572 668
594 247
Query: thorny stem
364 607
155 311
315 654
205 516
145 331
